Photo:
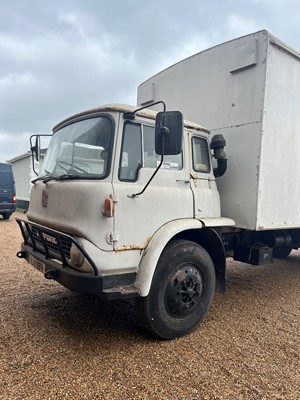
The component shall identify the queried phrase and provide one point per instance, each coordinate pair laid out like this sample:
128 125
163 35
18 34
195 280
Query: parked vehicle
8 198
128 202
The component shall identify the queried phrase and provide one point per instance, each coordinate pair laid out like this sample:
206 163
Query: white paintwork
116 108
156 246
112 262
75 206
215 222
165 199
245 89
170 196
280 143
205 191
248 90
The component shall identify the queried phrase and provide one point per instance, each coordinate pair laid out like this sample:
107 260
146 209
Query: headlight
76 256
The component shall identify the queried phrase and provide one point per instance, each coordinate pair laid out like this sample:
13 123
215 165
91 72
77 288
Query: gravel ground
55 344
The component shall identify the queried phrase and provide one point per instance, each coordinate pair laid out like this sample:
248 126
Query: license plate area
37 264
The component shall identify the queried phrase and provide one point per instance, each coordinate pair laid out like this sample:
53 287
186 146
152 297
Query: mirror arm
133 195
130 114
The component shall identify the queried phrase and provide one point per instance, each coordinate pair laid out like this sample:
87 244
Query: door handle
183 180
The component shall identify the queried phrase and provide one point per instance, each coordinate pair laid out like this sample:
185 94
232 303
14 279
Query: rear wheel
6 215
182 290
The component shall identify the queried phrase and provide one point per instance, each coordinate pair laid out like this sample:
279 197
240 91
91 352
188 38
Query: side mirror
36 149
168 133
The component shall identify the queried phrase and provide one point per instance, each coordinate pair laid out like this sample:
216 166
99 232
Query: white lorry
128 202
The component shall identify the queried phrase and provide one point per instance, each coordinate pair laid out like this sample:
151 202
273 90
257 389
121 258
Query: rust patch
195 179
180 275
129 247
134 246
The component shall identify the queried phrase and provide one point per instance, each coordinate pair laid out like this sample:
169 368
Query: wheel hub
184 291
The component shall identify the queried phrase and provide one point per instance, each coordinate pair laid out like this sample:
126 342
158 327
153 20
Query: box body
248 90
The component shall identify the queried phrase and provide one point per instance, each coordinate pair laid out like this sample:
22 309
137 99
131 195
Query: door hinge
114 197
112 238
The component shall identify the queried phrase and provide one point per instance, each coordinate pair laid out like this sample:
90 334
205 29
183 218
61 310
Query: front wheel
181 292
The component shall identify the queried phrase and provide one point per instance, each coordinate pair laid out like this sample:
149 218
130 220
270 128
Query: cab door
167 198
203 183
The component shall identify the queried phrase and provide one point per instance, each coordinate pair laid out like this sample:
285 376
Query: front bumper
53 262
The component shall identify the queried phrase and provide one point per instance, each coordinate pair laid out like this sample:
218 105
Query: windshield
82 149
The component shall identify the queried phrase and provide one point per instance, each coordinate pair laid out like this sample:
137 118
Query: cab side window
151 159
201 157
138 150
131 153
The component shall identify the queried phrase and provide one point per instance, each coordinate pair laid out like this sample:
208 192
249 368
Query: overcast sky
59 57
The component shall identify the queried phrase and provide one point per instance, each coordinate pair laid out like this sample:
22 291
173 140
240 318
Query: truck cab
105 204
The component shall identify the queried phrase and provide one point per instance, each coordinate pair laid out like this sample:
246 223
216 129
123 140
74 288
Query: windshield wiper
67 176
47 177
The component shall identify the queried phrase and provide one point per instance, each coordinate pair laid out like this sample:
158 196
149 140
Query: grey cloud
58 58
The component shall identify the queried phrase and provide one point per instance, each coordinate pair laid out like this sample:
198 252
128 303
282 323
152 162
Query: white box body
247 89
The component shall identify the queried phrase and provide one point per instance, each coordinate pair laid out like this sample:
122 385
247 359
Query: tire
182 290
6 215
282 252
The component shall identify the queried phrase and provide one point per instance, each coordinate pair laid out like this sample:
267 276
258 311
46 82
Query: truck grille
55 242
51 243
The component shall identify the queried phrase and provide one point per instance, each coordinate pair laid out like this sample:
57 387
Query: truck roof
146 113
